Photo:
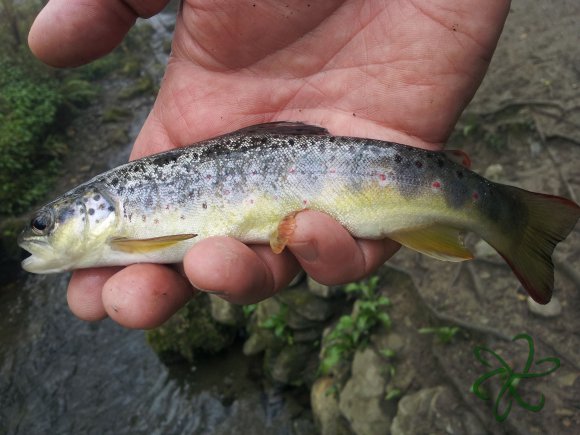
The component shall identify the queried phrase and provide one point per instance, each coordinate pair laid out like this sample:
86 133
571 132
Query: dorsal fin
284 128
458 156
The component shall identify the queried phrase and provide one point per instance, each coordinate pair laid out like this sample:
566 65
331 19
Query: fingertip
68 34
330 254
236 272
143 296
84 295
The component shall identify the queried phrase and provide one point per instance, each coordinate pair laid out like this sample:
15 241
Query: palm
397 70
365 68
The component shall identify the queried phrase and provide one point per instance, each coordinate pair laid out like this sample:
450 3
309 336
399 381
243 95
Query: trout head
63 234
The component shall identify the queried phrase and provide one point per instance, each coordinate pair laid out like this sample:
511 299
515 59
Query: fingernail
305 251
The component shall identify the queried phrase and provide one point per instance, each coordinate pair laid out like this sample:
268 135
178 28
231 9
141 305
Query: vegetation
352 331
190 331
37 103
279 325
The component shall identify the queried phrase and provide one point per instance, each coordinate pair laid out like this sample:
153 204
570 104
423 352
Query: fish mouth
40 254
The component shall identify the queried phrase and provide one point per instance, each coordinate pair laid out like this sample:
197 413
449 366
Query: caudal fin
549 221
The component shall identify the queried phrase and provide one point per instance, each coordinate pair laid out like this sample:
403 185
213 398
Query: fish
251 183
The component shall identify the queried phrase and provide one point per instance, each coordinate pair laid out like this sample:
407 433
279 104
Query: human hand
391 70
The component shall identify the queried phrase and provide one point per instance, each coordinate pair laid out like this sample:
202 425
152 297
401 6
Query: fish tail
529 251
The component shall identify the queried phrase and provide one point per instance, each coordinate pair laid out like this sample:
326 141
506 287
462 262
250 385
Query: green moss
190 331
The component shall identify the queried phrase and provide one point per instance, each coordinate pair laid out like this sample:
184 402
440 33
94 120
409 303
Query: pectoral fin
280 238
438 241
147 245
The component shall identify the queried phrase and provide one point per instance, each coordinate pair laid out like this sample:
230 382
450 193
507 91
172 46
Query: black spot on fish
91 211
398 158
78 203
459 174
291 141
263 140
440 163
204 205
143 218
331 138
114 182
418 164
97 197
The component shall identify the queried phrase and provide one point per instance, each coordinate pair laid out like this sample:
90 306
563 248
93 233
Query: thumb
71 33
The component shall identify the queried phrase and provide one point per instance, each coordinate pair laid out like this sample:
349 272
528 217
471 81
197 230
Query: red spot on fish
475 196
208 177
436 185
332 170
304 201
292 170
382 177
226 192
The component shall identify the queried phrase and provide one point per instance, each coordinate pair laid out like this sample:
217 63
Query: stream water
61 375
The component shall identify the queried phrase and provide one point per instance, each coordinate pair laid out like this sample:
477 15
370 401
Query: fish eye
41 223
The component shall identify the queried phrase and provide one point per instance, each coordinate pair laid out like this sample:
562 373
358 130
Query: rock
258 341
309 306
288 365
362 400
266 309
298 322
321 290
225 312
307 335
434 410
494 172
325 408
551 309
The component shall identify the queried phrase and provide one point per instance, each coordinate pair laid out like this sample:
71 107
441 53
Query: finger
329 253
71 33
143 296
84 295
237 272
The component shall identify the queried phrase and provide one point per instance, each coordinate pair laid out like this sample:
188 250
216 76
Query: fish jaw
42 258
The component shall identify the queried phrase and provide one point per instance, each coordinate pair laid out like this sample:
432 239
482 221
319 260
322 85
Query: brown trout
249 185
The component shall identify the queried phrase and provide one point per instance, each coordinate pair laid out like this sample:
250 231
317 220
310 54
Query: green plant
248 310
444 333
279 325
351 332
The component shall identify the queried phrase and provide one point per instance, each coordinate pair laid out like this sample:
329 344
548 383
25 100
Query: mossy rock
191 331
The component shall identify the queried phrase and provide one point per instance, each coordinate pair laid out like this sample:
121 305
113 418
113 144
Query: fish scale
250 184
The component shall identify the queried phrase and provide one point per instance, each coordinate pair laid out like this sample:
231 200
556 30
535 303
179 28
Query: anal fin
437 241
125 244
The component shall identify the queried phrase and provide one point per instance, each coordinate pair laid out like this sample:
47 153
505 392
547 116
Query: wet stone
302 301
321 290
325 408
226 313
434 410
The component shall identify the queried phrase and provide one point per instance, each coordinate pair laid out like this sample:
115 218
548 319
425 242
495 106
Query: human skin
400 71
